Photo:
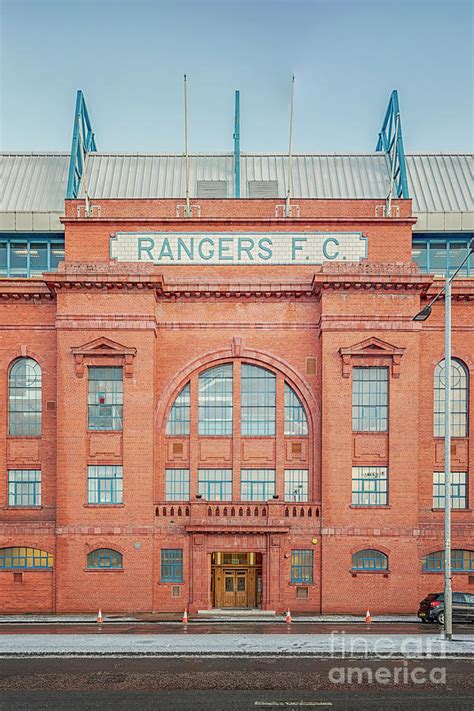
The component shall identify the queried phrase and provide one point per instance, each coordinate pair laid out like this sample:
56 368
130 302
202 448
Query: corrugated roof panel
33 182
441 182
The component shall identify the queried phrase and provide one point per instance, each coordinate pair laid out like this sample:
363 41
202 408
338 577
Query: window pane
105 484
369 560
296 485
19 557
457 253
302 566
215 401
104 558
177 484
438 258
179 416
172 565
458 490
24 487
38 258
57 255
369 486
19 259
459 399
105 401
420 254
257 484
295 416
258 401
215 484
462 561
369 399
24 398
3 259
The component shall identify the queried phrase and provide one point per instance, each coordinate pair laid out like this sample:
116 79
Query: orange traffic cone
99 617
368 618
185 617
288 617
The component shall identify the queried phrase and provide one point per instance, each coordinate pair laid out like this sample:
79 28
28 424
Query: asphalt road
230 628
223 683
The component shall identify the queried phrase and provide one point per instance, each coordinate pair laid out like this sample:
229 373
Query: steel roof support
391 142
83 142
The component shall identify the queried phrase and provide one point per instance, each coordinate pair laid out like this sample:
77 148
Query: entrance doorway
236 580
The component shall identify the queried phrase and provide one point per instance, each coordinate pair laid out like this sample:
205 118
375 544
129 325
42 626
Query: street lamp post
422 316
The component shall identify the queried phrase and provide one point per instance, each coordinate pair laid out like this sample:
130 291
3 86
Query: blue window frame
302 566
24 398
20 557
439 254
369 486
105 484
458 490
172 565
215 484
370 399
104 558
257 484
258 401
296 485
105 399
459 399
369 559
215 400
24 487
462 561
179 416
296 422
29 255
177 484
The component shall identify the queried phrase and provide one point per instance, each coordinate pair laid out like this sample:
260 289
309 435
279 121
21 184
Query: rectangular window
31 255
105 402
296 485
258 401
215 401
302 566
369 486
458 490
257 484
105 484
24 487
370 399
439 255
172 565
215 484
177 484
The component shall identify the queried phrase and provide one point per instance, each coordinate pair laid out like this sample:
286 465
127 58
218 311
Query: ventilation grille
263 188
302 593
211 189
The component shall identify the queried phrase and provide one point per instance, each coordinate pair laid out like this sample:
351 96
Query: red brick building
231 406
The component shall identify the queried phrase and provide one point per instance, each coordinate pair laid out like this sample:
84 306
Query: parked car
432 608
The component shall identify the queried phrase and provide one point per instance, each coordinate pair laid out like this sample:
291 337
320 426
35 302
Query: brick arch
255 357
368 547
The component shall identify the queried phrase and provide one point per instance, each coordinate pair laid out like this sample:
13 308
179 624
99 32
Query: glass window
177 484
172 565
438 258
369 559
458 490
105 484
3 259
296 422
457 253
462 561
104 558
420 254
24 398
369 486
19 557
24 487
302 566
38 258
370 399
296 485
215 401
257 484
31 255
459 399
57 255
19 259
258 401
215 484
105 401
179 415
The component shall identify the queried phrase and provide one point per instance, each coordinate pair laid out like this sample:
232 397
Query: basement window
263 188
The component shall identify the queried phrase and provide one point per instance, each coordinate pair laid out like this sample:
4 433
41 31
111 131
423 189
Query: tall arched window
369 559
257 401
21 557
104 558
179 415
215 400
459 399
296 422
24 398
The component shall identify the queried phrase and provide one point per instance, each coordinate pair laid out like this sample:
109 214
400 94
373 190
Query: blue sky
129 57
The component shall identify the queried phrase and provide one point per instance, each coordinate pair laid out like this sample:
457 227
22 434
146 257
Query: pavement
208 617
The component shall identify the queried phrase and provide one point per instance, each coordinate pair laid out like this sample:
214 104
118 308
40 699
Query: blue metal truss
83 142
391 142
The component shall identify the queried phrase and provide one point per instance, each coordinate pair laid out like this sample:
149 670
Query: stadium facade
220 399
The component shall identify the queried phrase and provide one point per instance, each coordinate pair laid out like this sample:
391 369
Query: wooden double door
236 587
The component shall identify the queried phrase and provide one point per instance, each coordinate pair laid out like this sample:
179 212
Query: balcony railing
252 511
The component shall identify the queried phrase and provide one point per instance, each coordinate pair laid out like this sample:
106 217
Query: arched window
462 561
24 398
19 557
215 400
369 559
104 558
296 422
459 399
258 401
179 415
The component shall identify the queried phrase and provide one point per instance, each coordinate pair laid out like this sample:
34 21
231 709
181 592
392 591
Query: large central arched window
215 401
257 401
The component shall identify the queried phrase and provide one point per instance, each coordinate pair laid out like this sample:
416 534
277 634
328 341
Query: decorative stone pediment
371 352
104 351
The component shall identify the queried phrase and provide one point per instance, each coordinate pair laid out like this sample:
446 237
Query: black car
432 608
